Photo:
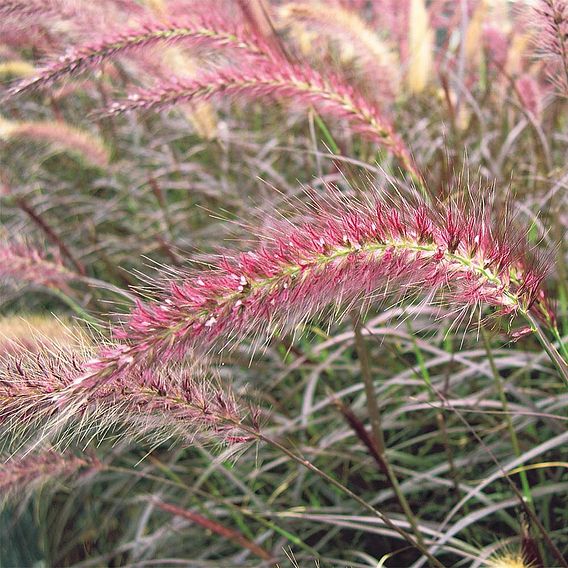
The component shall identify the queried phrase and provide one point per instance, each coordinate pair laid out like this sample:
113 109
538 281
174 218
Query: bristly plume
27 472
42 393
378 60
551 39
212 33
420 46
293 83
529 93
18 12
344 253
22 263
496 46
60 135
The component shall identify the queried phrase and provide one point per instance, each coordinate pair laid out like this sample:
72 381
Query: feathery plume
529 94
20 262
420 47
473 35
211 33
39 393
552 39
376 57
201 115
60 134
346 252
517 54
496 46
393 17
37 468
13 12
294 83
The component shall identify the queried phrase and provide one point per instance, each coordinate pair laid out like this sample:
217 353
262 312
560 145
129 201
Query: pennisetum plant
301 85
59 135
213 33
346 253
33 469
552 29
262 71
21 262
36 390
338 433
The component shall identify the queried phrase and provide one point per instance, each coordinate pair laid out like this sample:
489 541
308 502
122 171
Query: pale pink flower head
44 393
496 45
550 22
31 470
23 263
530 94
340 253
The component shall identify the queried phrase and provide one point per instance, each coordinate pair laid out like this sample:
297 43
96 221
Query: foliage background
99 207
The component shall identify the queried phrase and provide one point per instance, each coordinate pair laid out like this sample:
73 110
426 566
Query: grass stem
549 347
346 491
375 417
512 433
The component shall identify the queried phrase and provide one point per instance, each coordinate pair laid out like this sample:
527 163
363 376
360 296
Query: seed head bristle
296 84
40 393
347 252
27 471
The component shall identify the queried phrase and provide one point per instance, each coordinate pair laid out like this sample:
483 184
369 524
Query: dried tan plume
60 135
16 68
473 36
421 47
357 41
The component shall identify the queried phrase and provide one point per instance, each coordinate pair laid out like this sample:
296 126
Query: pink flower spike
29 471
20 263
345 253
49 392
551 39
296 84
199 31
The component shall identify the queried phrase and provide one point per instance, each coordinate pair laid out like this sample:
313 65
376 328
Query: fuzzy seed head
348 253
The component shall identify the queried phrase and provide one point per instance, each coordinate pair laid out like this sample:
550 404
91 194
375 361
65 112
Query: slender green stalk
375 417
512 433
345 490
372 403
326 134
77 308
562 345
419 358
440 418
548 346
